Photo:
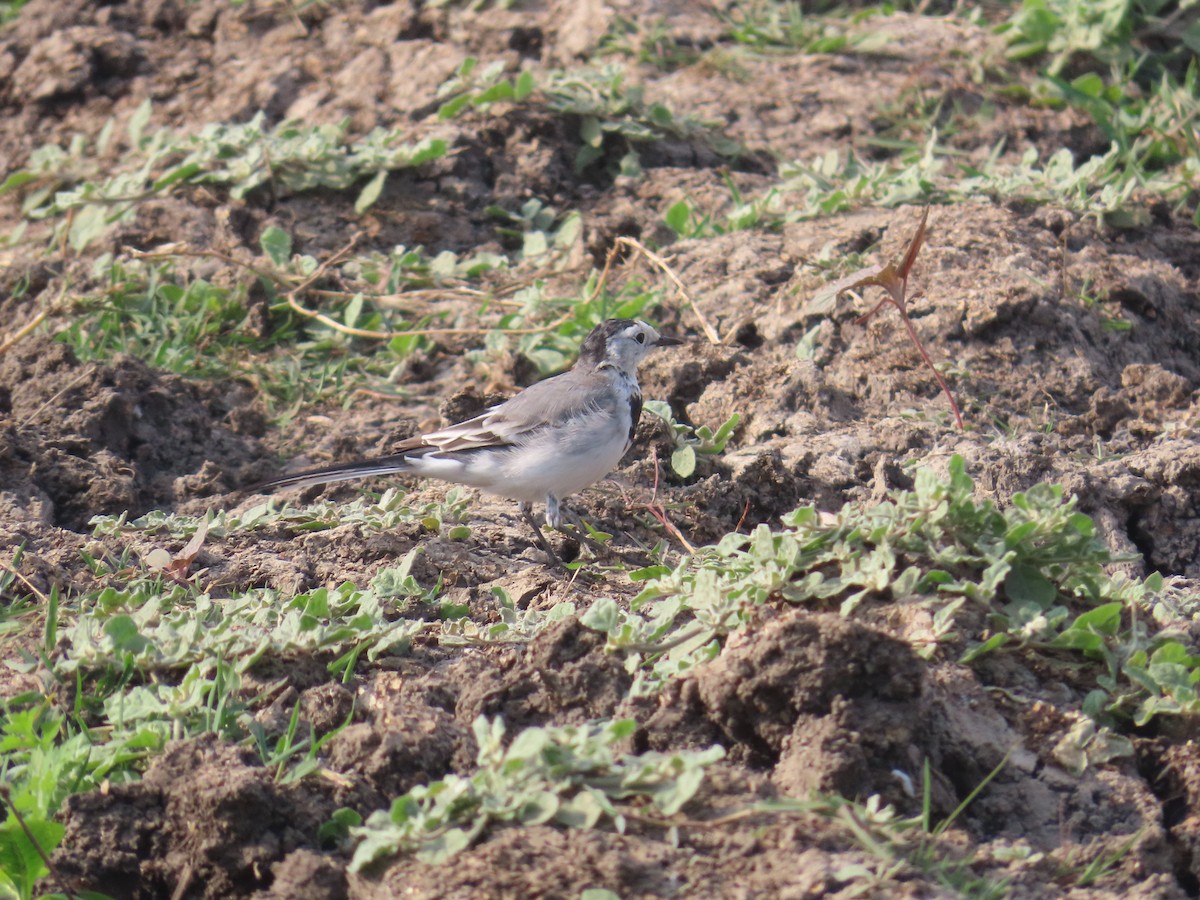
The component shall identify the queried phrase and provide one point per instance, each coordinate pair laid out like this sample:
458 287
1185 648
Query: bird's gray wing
542 405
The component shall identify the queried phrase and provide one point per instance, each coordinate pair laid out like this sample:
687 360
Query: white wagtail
551 440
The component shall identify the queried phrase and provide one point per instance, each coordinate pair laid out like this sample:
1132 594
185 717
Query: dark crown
594 349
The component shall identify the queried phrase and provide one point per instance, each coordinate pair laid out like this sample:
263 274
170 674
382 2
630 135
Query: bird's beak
667 341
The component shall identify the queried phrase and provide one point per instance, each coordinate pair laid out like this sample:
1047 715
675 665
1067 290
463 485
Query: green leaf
806 347
721 438
586 156
538 809
581 811
678 216
631 165
683 461
1173 652
591 133
337 829
427 151
1081 640
353 311
404 344
524 86
452 108
1105 619
648 572
992 643
370 192
535 244
1024 583
601 616
1089 83
277 244
16 179
124 634
138 122
527 745
502 90
19 858
89 223
451 611
179 173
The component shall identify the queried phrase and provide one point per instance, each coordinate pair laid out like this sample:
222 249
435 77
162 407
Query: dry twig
638 247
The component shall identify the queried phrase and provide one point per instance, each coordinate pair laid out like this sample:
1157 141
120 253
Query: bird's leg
527 515
553 512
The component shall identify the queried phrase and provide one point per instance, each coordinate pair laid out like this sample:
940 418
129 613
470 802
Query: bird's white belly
560 468
560 462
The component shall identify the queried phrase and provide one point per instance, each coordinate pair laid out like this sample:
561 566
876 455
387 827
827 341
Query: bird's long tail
365 468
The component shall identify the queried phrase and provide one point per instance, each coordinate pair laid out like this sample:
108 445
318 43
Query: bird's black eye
640 338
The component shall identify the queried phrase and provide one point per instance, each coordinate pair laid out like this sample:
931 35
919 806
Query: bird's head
622 343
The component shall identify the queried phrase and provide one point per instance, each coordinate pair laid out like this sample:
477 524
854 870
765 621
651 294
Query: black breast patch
635 412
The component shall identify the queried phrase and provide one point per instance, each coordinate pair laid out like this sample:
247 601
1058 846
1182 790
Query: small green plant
367 305
539 228
242 157
1101 186
184 327
1151 129
614 117
289 745
197 328
571 776
149 627
744 214
772 26
1131 65
894 846
14 595
1074 874
1110 34
1031 566
1097 300
151 662
515 626
690 441
472 87
44 757
649 41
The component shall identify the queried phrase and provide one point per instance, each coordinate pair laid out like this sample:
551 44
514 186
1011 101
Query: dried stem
709 331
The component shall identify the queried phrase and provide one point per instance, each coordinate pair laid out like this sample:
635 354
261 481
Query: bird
550 440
